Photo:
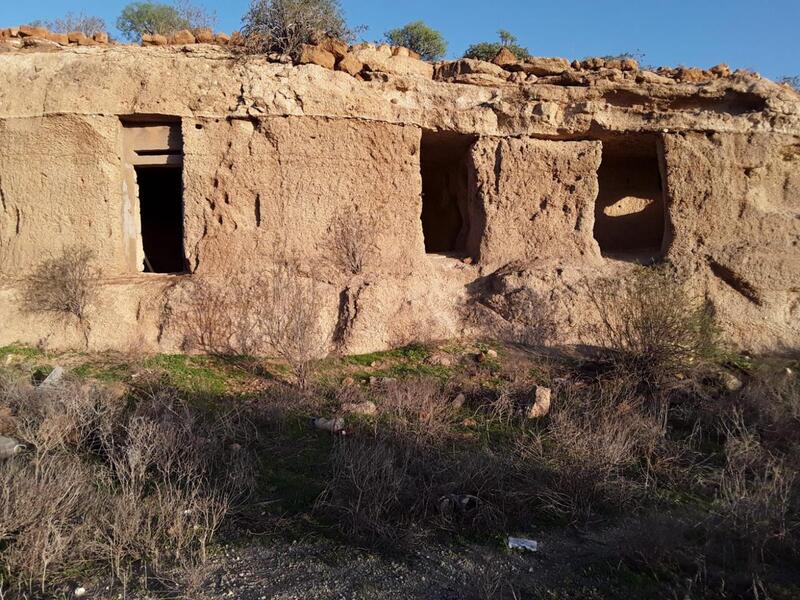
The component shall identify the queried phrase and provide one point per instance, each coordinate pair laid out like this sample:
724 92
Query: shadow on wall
630 215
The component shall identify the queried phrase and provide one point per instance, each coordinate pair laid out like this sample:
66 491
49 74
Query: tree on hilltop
419 37
488 50
140 18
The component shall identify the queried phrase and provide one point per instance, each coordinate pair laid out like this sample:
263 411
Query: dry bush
285 25
387 488
370 491
419 406
651 325
293 327
770 405
754 498
65 287
248 314
594 455
352 242
114 486
387 485
225 317
43 519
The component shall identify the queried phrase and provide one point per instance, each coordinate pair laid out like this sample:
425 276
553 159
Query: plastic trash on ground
515 543
332 425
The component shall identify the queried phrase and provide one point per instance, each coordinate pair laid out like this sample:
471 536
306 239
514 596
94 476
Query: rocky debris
350 65
29 31
471 71
730 381
335 426
650 77
505 58
366 60
54 378
458 401
543 66
154 39
204 35
182 37
40 43
693 75
381 60
440 359
316 55
455 505
540 405
59 38
9 447
336 47
366 408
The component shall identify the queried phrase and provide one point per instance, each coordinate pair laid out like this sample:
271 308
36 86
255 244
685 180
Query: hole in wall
444 164
630 216
161 210
153 152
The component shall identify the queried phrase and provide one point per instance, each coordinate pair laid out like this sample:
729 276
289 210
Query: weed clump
651 326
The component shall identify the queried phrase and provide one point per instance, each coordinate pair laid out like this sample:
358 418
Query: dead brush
121 488
419 406
351 242
65 287
593 455
754 499
651 326
370 491
251 314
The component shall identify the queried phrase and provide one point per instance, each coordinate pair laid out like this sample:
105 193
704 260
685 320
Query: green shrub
419 37
140 18
488 50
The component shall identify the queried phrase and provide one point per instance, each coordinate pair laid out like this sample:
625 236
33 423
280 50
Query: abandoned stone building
493 194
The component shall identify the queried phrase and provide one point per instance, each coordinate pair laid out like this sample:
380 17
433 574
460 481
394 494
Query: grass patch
195 374
21 350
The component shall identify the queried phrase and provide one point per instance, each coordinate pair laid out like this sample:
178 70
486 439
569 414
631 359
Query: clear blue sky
756 34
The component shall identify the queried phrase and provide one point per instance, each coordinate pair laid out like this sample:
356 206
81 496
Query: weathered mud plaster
272 154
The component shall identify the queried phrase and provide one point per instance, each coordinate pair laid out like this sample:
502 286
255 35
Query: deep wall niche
630 213
444 165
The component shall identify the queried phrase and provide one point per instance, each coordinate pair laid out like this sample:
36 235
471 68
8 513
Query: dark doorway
630 218
444 161
161 209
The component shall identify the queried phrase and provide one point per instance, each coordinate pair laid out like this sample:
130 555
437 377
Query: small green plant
488 50
419 37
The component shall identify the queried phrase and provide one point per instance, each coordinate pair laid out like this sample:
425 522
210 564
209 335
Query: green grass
108 373
189 373
21 350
